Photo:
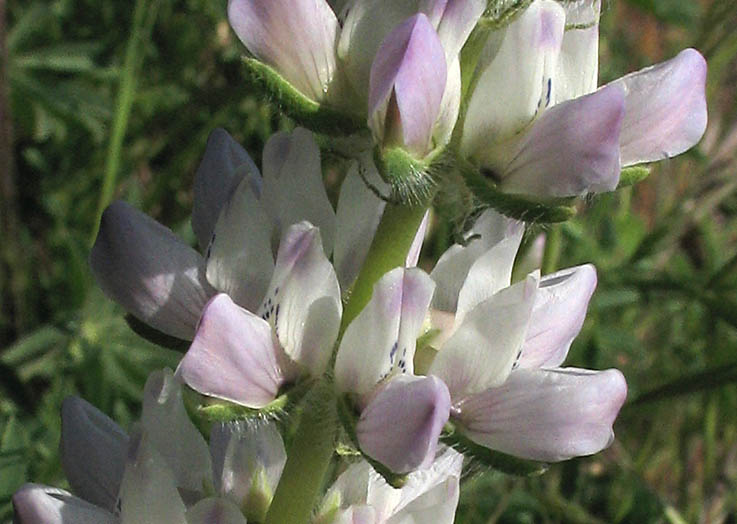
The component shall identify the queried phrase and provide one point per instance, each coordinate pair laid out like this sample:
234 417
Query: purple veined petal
215 510
458 20
413 255
358 215
557 316
164 415
148 493
381 339
242 452
239 259
514 81
572 149
233 356
93 452
452 268
489 274
547 415
483 349
293 187
401 424
665 108
303 302
34 504
296 37
222 168
144 267
406 86
578 62
367 24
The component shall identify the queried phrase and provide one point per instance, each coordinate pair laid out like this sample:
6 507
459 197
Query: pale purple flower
163 473
238 218
547 132
500 348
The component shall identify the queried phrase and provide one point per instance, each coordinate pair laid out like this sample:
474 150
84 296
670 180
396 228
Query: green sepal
630 176
494 459
521 207
348 418
155 336
413 181
292 102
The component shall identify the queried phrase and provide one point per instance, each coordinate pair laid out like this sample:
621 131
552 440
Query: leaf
13 465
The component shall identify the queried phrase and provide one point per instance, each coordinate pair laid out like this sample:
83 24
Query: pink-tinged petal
665 108
223 166
450 105
514 81
233 356
215 511
293 187
381 339
451 270
36 504
489 274
366 26
481 352
148 493
357 514
358 215
164 415
401 424
239 259
557 316
413 255
406 86
296 37
458 20
547 415
144 267
303 300
93 452
578 62
243 452
572 149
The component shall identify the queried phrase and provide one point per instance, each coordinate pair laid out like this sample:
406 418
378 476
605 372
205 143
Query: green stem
144 15
551 254
308 459
388 250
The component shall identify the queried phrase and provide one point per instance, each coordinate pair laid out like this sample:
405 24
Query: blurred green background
102 99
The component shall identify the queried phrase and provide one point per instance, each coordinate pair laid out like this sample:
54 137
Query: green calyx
293 103
629 176
411 179
493 459
521 207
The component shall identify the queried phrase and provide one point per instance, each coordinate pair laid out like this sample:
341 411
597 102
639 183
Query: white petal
148 493
547 415
233 356
36 504
665 108
145 268
452 269
578 63
514 81
93 452
381 339
359 212
490 273
215 511
413 255
172 433
239 259
449 106
557 316
572 149
481 352
223 166
296 37
293 188
303 301
241 451
458 20
436 506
